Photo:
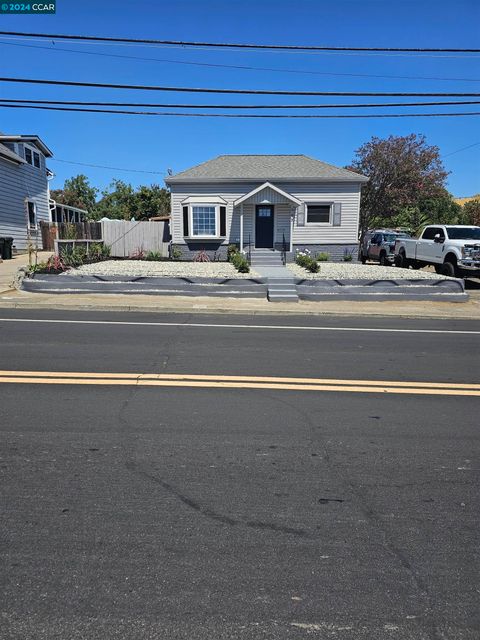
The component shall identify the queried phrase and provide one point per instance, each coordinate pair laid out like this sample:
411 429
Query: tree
76 192
439 209
403 172
117 202
471 212
121 201
151 201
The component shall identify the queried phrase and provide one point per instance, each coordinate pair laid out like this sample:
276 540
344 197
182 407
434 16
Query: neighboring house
265 201
24 199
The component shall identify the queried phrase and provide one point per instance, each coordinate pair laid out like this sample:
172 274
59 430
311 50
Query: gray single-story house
281 202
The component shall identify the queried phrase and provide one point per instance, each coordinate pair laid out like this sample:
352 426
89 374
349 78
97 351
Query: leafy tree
151 201
439 209
121 201
117 202
404 171
471 212
76 192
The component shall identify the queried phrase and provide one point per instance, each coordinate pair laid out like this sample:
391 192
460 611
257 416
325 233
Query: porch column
292 217
241 227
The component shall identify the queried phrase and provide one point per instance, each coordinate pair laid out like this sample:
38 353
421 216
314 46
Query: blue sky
157 144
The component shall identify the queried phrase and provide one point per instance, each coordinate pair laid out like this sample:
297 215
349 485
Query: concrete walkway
9 268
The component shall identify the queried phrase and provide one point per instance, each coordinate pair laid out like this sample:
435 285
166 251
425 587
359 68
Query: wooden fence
126 238
52 231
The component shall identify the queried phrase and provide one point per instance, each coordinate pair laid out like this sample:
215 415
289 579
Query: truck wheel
383 259
438 268
363 259
402 261
448 269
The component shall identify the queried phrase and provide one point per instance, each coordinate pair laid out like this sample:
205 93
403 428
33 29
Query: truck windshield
467 233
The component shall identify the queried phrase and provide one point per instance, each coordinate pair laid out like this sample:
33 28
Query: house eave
168 181
29 138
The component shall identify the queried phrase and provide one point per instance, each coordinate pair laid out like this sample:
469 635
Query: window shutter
301 214
337 214
223 221
185 221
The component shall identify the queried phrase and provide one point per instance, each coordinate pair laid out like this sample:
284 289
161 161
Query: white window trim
217 220
321 203
35 226
33 150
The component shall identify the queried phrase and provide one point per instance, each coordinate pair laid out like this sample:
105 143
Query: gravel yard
168 269
351 271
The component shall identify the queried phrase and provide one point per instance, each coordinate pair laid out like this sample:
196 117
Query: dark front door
264 226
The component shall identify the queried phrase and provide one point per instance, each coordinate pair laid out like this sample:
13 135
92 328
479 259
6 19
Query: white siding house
24 194
279 202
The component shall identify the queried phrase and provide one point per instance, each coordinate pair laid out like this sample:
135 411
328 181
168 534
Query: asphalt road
134 512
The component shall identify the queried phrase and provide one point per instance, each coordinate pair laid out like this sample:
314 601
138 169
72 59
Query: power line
103 85
475 144
101 166
239 106
241 67
238 115
232 45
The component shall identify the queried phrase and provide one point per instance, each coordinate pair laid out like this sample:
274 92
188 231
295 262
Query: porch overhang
267 186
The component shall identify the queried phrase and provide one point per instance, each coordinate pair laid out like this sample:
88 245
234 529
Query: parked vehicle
454 250
379 245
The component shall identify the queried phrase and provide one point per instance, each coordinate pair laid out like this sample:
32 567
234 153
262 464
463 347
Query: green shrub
303 258
240 263
347 257
73 257
323 257
152 256
312 266
176 253
232 250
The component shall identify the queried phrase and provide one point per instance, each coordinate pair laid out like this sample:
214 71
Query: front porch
265 218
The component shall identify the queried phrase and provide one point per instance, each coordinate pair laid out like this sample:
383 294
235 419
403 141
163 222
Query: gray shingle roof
263 168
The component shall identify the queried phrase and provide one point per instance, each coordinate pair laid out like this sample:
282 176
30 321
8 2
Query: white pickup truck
454 250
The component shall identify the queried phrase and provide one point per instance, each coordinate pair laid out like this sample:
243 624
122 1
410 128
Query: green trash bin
7 248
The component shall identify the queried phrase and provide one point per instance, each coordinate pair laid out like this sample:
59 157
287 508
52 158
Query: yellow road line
138 377
211 384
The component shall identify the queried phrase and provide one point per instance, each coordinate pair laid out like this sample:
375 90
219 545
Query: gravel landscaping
167 269
351 271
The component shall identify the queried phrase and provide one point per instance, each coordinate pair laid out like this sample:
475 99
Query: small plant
201 256
70 231
240 263
95 252
73 257
302 258
347 255
323 257
176 253
232 250
137 254
55 264
312 266
153 256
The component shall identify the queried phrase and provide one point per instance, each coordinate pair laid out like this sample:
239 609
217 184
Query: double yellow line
238 382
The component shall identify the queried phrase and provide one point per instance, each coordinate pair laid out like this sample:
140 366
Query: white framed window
204 220
32 215
32 156
319 212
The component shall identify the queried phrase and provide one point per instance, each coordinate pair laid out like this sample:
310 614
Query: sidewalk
9 268
179 304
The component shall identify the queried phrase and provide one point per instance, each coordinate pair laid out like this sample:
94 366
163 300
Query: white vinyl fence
126 238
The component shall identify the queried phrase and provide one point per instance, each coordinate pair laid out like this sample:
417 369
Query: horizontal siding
18 183
347 194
